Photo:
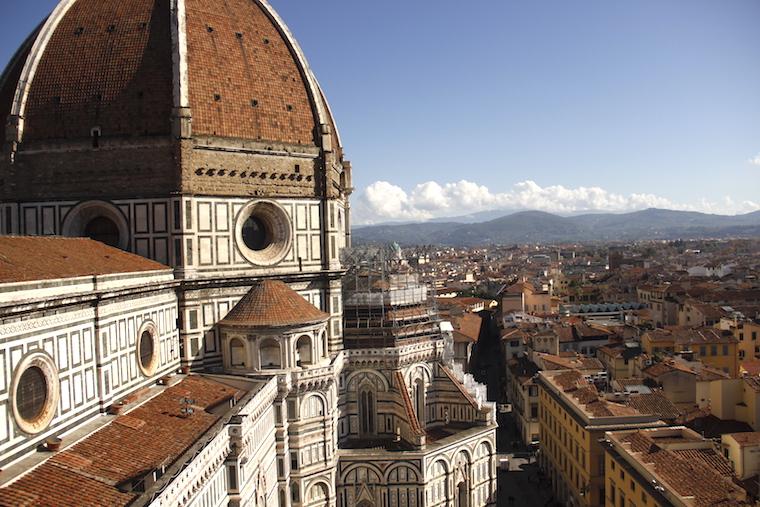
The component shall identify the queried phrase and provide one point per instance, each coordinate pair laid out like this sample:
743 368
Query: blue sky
447 107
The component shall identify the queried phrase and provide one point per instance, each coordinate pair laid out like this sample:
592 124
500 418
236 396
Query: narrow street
521 486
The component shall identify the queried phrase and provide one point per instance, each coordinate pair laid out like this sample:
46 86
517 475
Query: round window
147 356
263 233
35 391
31 394
104 230
146 349
255 234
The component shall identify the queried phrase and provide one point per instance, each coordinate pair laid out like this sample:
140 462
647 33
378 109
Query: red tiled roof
411 416
654 403
271 303
467 327
108 63
746 438
691 475
152 435
26 258
255 65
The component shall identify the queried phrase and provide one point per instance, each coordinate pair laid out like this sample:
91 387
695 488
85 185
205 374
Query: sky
447 108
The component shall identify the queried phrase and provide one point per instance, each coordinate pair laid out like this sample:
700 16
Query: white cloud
382 201
755 160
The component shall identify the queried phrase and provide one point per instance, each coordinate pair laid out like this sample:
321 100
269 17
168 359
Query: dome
271 303
101 74
110 63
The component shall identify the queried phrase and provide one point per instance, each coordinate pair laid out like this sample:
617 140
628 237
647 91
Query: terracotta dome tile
271 303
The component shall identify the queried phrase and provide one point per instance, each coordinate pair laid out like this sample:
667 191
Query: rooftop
685 466
106 467
575 388
271 303
747 438
26 258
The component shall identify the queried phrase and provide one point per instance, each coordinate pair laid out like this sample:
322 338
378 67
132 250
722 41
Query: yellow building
573 417
743 451
619 359
667 467
714 347
747 334
524 297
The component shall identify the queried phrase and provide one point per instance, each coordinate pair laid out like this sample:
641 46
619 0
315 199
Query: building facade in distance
573 417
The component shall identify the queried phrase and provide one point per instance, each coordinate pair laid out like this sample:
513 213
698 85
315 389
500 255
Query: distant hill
542 227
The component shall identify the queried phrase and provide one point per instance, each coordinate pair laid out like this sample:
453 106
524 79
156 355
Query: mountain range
542 227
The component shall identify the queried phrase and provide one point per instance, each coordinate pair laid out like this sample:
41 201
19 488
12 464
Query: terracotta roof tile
467 327
90 471
26 258
108 63
746 438
691 474
236 55
271 303
654 403
411 416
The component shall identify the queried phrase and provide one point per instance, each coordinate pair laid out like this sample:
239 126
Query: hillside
542 227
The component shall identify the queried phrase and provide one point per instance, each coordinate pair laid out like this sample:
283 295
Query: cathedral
180 322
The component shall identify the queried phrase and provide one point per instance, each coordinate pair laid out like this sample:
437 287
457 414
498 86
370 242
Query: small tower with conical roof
273 330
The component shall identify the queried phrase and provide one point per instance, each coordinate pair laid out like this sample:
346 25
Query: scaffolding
384 302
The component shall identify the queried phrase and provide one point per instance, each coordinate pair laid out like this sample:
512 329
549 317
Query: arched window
318 495
464 495
314 406
104 230
237 353
419 400
303 351
294 493
271 357
367 412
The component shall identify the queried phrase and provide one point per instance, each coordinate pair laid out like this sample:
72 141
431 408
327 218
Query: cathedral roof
126 450
26 258
128 66
271 303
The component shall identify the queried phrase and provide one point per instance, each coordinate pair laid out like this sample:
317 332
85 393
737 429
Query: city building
713 347
573 417
619 359
523 395
667 467
524 297
743 452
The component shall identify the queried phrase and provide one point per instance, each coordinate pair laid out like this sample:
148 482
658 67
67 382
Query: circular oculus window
147 349
36 392
263 233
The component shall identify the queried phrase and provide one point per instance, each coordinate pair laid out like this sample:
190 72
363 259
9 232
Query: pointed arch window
419 400
367 412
